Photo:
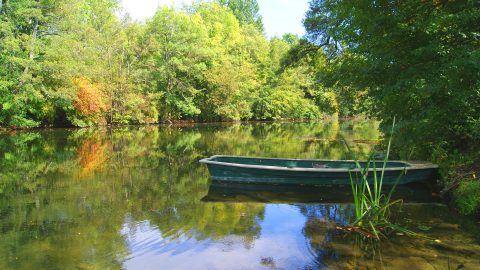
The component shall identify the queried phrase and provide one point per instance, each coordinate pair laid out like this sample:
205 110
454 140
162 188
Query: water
137 198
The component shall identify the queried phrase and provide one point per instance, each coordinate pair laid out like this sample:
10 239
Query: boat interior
293 163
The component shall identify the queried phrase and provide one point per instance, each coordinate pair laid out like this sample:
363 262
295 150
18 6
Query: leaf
6 106
9 156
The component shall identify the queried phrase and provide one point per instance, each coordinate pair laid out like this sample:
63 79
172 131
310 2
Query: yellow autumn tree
90 103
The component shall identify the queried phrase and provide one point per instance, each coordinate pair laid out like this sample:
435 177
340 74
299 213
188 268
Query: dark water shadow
234 192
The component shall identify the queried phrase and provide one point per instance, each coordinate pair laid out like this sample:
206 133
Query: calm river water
137 198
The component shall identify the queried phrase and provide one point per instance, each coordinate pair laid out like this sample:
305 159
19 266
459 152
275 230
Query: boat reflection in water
235 192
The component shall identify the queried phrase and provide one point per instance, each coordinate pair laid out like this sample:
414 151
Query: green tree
25 26
246 11
290 91
94 44
234 74
47 46
77 63
175 59
418 61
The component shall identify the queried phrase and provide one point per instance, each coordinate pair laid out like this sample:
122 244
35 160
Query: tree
233 76
176 58
291 90
246 11
76 63
24 29
417 61
94 44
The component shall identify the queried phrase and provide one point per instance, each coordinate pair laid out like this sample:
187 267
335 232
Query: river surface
137 198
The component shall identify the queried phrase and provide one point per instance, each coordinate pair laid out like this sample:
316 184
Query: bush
90 104
467 197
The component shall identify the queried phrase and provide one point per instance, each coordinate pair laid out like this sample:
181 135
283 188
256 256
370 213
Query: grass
372 205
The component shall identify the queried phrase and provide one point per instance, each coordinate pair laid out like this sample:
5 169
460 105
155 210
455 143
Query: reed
372 204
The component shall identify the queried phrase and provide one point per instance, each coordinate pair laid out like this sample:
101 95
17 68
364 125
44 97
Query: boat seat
320 165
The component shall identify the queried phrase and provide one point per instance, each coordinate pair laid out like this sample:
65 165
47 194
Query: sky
279 16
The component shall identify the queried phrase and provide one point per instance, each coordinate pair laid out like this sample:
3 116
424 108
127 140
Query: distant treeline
76 62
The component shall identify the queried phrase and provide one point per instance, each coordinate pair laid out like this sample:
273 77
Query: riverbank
460 181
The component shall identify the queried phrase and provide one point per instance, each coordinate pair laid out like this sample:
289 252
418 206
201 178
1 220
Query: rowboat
281 171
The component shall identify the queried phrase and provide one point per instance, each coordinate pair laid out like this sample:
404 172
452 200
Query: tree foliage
246 11
90 101
78 63
24 27
175 60
418 61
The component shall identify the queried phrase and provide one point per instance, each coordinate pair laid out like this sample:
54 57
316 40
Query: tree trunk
31 54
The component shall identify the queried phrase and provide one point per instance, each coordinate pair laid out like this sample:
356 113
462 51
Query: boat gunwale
409 165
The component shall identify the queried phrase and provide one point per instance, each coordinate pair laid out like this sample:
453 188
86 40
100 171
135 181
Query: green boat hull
309 172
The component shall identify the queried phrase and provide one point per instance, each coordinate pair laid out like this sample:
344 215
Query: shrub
467 197
89 105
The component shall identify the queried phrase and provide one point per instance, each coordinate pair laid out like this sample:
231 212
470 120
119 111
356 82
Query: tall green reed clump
372 206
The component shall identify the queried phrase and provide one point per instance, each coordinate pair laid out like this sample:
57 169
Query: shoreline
182 123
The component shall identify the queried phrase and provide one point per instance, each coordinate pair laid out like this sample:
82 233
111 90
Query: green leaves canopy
209 61
418 61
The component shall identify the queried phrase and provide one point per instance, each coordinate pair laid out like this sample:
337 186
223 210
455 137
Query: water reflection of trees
64 194
321 232
300 140
332 248
46 221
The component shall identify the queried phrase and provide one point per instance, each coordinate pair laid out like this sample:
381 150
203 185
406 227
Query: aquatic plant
372 205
